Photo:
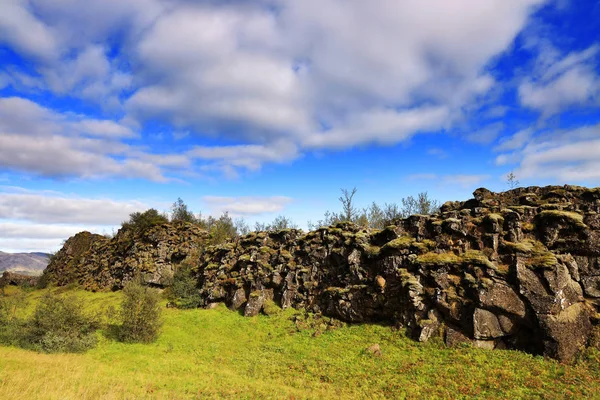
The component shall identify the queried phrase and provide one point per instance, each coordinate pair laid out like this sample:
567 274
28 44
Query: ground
221 354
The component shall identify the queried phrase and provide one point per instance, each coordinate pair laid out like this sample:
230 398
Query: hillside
515 270
23 263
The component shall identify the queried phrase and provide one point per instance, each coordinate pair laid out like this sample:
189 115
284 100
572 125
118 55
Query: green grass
220 354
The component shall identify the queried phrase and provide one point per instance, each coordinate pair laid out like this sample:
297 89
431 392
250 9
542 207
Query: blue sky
269 107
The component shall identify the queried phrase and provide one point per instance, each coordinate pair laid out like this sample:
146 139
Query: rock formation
11 278
518 269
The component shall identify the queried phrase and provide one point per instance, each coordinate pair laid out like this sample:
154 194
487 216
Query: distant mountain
24 263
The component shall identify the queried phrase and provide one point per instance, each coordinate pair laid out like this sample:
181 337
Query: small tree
140 313
241 226
184 292
11 326
512 181
422 204
180 212
221 230
349 212
59 324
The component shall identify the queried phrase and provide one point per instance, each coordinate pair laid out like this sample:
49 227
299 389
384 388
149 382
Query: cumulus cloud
272 74
514 142
59 209
487 134
15 230
42 220
40 141
246 205
561 156
562 83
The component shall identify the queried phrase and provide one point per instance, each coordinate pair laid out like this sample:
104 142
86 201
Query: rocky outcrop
518 269
11 278
97 262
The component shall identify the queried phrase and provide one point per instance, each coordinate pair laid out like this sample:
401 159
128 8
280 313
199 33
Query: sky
270 107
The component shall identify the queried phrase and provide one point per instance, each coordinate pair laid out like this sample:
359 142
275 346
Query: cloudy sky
269 107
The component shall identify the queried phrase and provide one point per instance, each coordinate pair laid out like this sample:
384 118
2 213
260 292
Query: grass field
220 354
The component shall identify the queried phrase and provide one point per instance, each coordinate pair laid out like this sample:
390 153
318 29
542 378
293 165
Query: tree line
225 227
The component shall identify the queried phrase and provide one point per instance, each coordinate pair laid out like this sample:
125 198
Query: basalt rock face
97 262
518 269
66 265
11 278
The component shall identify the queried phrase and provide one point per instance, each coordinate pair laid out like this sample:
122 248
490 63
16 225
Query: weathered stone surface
97 262
11 278
566 332
486 325
503 298
591 286
514 269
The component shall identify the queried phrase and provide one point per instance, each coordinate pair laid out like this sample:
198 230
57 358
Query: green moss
372 251
477 258
403 242
540 257
337 290
212 266
525 247
470 278
573 217
527 227
245 257
271 308
438 259
497 218
285 254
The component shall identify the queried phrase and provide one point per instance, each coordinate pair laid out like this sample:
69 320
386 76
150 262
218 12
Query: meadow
218 353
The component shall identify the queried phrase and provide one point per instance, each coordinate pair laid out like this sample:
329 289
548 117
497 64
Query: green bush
184 292
140 313
59 324
11 327
139 222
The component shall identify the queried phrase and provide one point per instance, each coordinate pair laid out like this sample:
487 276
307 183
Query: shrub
139 222
140 313
59 324
180 212
184 292
11 327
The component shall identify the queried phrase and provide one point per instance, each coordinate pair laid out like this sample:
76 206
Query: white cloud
272 76
15 230
22 30
562 83
20 245
42 220
515 141
246 206
487 134
382 126
561 156
233 65
59 209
